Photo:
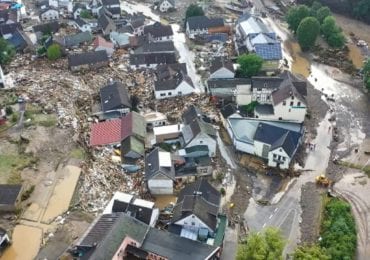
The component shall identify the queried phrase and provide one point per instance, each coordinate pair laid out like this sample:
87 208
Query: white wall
50 15
160 186
204 139
279 152
263 96
244 147
291 113
183 89
222 73
165 6
243 94
258 148
190 220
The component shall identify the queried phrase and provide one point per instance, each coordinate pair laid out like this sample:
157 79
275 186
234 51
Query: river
179 39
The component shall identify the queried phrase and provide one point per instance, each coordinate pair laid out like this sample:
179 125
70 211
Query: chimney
149 165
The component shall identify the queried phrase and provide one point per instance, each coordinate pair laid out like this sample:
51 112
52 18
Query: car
20 100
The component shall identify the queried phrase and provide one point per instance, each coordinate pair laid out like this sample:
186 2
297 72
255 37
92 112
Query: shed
9 196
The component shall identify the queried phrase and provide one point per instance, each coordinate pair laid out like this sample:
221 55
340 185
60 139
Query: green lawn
11 166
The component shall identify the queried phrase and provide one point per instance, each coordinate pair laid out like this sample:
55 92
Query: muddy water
355 55
162 201
63 192
300 65
26 243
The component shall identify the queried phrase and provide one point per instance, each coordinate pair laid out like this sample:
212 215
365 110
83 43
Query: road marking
276 209
271 216
264 225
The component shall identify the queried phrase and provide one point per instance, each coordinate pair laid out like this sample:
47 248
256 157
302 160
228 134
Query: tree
362 9
307 32
54 52
322 13
310 253
194 10
296 15
250 64
7 51
366 71
86 14
332 33
267 245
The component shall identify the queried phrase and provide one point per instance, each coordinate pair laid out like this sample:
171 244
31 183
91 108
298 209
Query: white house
198 25
49 14
165 5
158 32
197 210
173 87
154 119
198 132
221 69
274 141
159 172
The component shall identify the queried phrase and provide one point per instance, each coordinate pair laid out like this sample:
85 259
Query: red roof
101 42
103 133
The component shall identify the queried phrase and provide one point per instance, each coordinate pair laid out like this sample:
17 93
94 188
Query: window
284 103
283 158
265 85
280 118
200 141
163 94
274 156
259 89
298 104
292 97
193 223
268 97
292 103
169 93
179 93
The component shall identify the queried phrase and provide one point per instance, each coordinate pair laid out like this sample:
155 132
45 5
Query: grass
78 153
45 120
11 166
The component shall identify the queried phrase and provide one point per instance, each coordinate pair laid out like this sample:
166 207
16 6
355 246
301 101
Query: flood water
355 55
26 243
161 201
300 65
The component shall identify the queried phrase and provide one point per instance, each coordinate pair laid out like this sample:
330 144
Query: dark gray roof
167 71
266 82
153 47
104 21
285 92
190 114
228 110
299 83
9 28
152 58
143 214
272 135
110 2
203 22
174 247
78 6
48 9
114 96
153 168
158 30
124 226
264 109
172 83
77 39
9 193
87 58
46 27
114 10
208 192
288 142
220 62
227 83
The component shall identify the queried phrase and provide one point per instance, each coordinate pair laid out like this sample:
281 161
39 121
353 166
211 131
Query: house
7 30
154 119
198 25
253 36
4 239
112 7
21 41
198 132
120 40
156 47
196 213
75 40
114 99
142 210
106 24
221 69
158 32
101 44
192 162
178 85
77 9
128 131
120 236
88 60
10 196
151 60
136 22
159 172
226 88
49 14
167 133
166 5
275 141
86 25
47 28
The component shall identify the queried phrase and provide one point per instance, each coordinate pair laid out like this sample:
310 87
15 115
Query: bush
54 52
223 191
249 64
8 110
